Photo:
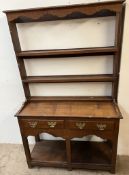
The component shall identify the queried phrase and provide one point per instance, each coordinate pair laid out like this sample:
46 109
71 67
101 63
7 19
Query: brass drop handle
81 125
52 124
101 127
33 124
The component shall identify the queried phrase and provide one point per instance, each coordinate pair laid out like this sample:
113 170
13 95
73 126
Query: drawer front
90 125
46 124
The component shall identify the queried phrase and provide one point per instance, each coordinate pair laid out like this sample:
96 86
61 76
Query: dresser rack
67 116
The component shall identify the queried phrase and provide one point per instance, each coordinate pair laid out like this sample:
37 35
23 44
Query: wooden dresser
70 117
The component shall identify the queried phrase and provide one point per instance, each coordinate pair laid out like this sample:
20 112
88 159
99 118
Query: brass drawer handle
33 124
101 127
81 125
52 124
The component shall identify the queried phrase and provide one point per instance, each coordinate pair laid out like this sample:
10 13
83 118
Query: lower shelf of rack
84 154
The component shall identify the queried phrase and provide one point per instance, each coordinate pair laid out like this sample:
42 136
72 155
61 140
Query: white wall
11 91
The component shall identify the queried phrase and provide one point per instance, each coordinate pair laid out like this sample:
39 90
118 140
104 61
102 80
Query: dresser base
69 120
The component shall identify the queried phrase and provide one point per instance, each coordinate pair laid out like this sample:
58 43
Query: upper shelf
67 52
99 9
69 78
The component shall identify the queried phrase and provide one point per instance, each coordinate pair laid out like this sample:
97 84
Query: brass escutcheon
33 124
101 126
52 124
80 125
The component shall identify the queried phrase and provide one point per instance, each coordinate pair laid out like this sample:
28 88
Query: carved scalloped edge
73 15
102 136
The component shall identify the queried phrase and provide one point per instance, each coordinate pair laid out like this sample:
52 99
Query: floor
12 162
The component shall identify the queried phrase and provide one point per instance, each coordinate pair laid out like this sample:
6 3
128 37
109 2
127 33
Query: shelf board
70 98
89 152
53 153
67 52
69 78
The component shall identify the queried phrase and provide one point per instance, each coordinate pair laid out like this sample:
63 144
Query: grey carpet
12 162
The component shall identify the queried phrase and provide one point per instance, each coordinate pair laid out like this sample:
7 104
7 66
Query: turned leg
27 150
68 152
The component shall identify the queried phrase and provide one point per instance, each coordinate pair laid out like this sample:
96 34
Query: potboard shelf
84 152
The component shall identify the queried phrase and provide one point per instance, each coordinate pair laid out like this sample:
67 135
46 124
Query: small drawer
52 124
90 125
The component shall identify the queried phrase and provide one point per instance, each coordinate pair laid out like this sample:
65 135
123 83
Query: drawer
90 125
52 124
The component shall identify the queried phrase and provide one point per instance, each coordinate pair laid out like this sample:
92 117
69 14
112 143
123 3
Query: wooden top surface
87 109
